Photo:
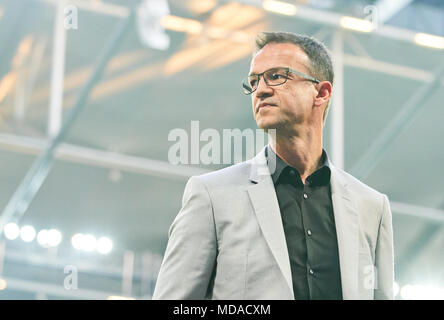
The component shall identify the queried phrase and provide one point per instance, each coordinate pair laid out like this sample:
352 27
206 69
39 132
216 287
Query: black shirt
309 226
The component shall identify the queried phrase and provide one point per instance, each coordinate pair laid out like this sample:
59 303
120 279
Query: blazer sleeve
384 257
191 250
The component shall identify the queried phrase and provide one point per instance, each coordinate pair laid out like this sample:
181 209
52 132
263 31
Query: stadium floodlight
395 289
422 292
120 298
428 40
27 233
42 238
179 24
54 237
12 231
356 24
280 7
104 245
3 284
77 241
89 243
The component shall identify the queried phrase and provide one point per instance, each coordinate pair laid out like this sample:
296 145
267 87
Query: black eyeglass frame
248 91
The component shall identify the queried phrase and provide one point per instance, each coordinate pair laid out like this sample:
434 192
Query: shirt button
305 196
309 232
292 173
311 271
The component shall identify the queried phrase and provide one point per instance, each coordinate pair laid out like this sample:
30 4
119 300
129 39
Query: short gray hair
321 66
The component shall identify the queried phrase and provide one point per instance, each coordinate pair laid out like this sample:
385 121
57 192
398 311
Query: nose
263 90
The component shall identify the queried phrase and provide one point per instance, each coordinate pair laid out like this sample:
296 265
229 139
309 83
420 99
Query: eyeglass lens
273 77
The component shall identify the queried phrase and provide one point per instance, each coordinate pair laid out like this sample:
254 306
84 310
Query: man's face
287 106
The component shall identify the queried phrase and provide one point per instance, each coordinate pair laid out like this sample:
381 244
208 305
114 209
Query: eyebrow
254 74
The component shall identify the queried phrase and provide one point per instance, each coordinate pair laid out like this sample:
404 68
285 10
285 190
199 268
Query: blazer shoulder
358 186
234 174
370 203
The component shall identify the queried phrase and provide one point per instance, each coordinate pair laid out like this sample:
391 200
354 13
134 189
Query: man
301 228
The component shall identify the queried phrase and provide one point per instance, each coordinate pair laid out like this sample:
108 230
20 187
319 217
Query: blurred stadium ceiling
111 174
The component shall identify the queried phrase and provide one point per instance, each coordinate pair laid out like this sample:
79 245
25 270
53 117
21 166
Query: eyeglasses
272 77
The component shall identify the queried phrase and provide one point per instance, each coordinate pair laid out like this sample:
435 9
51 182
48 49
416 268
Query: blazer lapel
347 230
266 207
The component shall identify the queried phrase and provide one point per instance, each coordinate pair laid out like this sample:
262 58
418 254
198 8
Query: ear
324 93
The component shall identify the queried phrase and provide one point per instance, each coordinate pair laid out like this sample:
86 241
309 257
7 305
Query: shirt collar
278 167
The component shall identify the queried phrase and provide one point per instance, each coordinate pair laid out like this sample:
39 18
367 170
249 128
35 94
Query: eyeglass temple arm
304 75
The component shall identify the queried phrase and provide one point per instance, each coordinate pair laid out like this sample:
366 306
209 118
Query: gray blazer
228 242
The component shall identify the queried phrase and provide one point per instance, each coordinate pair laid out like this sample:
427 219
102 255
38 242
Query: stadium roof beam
402 120
334 19
417 211
100 158
386 9
301 12
101 7
150 167
13 28
36 175
415 248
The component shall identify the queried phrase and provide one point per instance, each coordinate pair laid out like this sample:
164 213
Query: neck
301 151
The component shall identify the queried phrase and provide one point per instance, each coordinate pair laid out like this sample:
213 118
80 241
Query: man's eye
253 82
276 76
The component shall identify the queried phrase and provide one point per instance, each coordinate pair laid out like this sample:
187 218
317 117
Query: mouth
265 105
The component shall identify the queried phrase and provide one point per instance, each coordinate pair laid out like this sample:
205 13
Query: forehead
279 55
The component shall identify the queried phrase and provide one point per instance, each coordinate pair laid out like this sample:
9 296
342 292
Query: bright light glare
422 292
120 298
89 242
86 242
280 7
104 245
12 231
77 241
42 238
27 233
429 40
395 289
356 24
181 24
201 6
2 284
54 237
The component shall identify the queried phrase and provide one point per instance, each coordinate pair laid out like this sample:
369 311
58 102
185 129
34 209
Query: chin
266 125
